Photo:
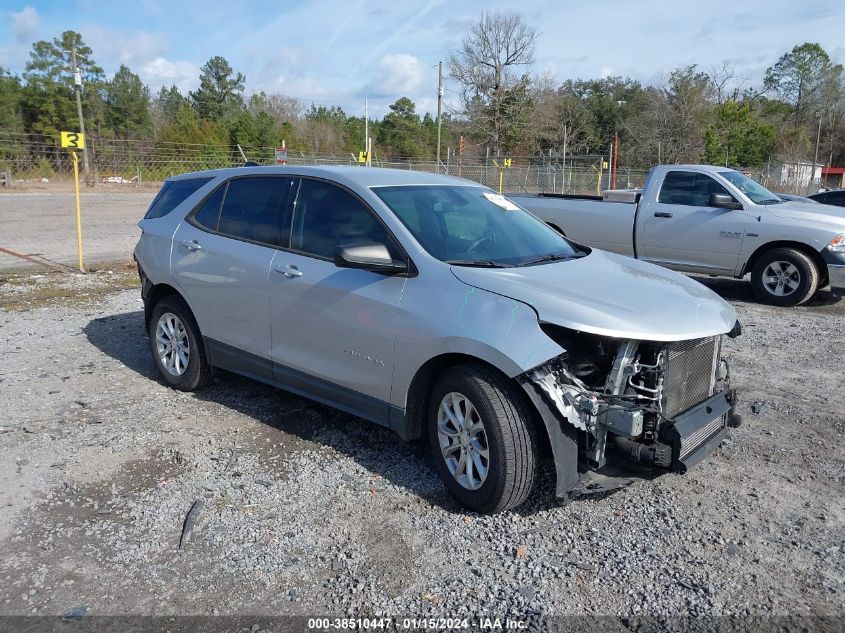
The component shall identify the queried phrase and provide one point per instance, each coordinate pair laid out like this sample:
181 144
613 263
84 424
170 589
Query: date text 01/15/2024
436 624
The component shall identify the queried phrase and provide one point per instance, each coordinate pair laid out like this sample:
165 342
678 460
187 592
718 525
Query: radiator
690 374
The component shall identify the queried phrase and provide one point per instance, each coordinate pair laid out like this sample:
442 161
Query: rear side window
327 216
253 208
689 188
209 212
172 194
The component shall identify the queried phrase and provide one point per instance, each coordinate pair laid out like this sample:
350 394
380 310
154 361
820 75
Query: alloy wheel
174 350
781 278
463 440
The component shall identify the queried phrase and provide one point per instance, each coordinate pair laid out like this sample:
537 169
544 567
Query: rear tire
784 277
503 480
177 345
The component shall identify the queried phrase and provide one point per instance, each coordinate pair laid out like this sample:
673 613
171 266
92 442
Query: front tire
177 345
784 277
483 438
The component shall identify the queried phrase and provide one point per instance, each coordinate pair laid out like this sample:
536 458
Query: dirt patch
28 291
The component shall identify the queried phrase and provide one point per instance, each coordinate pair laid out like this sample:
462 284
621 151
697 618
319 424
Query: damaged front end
633 407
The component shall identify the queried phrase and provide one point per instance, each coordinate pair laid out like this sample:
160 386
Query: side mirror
723 201
373 257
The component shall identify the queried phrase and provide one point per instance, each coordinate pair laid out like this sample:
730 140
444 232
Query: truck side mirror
723 201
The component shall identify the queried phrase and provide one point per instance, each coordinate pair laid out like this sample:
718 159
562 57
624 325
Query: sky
332 52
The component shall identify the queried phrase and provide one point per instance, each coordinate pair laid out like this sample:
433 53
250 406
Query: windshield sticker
499 200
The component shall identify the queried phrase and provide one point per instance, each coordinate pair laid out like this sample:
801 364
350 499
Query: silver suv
438 308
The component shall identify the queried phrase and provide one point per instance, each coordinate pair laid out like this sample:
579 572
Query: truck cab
712 220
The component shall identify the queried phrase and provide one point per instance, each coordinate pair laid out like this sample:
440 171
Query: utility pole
439 107
77 87
815 157
615 155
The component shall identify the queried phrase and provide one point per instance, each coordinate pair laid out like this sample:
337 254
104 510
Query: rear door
334 328
221 260
681 229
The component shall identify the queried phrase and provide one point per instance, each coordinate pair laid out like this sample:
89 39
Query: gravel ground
299 509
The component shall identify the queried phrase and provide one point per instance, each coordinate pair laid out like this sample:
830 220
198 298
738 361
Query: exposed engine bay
652 403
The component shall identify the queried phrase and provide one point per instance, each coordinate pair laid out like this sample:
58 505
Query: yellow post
78 212
501 175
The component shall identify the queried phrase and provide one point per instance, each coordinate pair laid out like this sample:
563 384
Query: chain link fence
30 157
35 158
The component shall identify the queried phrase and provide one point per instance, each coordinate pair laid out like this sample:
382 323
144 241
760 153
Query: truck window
688 188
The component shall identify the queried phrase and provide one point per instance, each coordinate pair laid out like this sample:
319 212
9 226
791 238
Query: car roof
344 174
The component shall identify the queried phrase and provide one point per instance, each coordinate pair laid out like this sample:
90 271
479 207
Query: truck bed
582 218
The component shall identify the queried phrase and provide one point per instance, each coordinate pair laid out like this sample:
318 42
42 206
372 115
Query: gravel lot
299 509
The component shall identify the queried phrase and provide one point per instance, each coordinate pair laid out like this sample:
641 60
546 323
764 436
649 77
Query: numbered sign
73 140
507 162
363 157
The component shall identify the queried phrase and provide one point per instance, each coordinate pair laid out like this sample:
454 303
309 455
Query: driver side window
326 217
689 188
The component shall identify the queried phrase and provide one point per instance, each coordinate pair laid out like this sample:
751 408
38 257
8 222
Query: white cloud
25 24
397 75
132 48
162 72
605 72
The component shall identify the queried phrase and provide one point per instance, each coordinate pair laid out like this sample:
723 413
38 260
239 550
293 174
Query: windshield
472 226
751 188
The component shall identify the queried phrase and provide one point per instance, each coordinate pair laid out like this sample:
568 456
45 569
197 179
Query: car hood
817 213
610 295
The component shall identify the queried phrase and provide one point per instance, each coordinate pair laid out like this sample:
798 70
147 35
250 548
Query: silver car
440 309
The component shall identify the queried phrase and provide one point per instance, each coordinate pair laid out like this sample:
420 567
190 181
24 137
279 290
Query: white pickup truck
711 220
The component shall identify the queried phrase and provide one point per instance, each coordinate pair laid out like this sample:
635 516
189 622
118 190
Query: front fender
449 317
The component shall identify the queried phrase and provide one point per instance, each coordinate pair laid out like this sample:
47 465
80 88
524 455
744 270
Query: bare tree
558 117
494 94
723 82
282 109
671 125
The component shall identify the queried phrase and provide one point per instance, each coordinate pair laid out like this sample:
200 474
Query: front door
334 328
681 229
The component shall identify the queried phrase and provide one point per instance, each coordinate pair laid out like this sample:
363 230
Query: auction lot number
434 624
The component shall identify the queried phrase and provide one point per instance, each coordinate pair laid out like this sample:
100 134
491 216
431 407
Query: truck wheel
784 277
483 438
177 345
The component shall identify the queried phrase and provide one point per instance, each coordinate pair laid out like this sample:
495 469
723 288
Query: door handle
662 214
192 245
289 271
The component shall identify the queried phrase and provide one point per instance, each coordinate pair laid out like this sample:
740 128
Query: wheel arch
419 393
154 295
808 250
419 390
555 438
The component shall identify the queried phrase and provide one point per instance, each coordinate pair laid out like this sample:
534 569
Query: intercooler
690 375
